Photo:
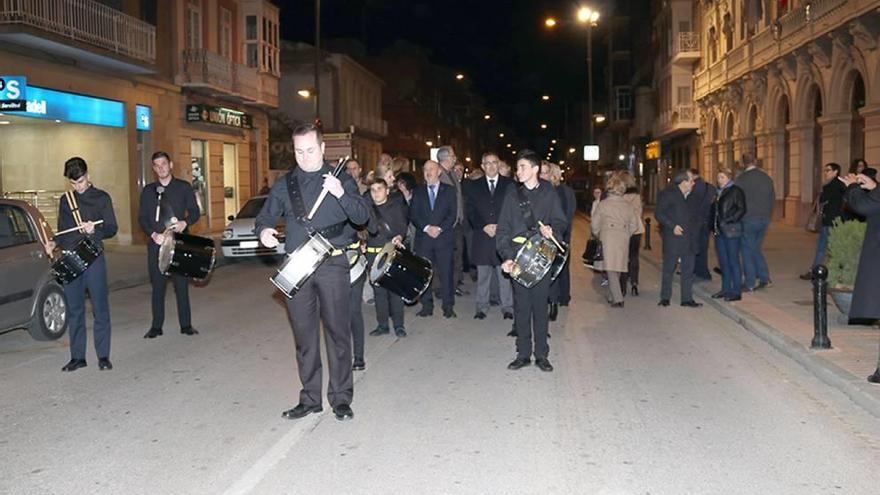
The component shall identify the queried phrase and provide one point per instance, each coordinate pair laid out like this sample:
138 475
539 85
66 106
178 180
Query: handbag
814 222
593 253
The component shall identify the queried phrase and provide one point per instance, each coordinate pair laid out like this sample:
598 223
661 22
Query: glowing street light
550 22
501 134
587 15
552 141
571 151
487 116
599 118
304 93
509 145
429 143
459 76
544 126
545 97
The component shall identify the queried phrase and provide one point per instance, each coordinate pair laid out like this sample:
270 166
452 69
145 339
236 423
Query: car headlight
227 234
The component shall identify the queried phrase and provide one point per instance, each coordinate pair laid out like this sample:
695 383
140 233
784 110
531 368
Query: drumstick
78 227
553 238
339 166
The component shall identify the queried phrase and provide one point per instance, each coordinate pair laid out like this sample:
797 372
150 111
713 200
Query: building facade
795 82
195 81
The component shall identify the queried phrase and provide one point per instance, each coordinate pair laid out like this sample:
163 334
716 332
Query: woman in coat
729 210
635 241
614 222
863 195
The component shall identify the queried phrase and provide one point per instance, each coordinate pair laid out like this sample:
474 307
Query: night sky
503 47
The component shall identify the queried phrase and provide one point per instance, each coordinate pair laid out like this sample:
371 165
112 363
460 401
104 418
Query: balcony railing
688 42
199 67
680 117
86 21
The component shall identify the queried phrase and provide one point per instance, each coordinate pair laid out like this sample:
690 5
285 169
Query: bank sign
13 93
218 115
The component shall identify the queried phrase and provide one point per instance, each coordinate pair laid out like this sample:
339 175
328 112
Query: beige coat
614 222
635 200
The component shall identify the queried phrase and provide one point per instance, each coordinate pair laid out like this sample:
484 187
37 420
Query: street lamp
552 141
487 116
590 17
599 118
545 97
304 93
544 126
501 134
429 143
571 151
550 22
459 76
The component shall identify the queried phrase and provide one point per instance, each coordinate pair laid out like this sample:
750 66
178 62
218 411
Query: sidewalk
782 315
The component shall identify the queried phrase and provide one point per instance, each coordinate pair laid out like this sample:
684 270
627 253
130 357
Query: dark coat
866 295
672 210
443 215
569 206
483 209
700 200
831 200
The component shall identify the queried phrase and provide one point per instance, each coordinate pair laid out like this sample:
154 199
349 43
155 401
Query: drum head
383 260
166 253
357 265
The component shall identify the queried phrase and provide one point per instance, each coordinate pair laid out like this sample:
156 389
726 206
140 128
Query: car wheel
49 321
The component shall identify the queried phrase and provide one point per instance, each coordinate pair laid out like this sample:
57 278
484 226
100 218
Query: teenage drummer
531 207
388 223
167 206
85 206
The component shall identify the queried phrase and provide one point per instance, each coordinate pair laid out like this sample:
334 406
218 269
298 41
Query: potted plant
844 248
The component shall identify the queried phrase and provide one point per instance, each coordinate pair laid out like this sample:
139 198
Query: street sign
591 153
13 93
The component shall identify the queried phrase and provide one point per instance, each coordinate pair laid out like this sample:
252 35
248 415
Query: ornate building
796 82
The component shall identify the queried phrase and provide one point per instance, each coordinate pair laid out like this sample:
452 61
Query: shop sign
218 115
652 150
13 93
45 103
143 118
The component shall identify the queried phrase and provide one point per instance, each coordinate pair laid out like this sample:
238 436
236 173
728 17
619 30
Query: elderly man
679 230
446 157
433 211
354 169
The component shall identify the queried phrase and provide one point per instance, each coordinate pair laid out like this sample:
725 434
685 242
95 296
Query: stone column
771 152
800 176
836 138
871 114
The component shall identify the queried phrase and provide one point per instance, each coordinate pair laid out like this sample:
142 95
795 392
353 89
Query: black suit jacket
443 215
700 200
483 209
672 210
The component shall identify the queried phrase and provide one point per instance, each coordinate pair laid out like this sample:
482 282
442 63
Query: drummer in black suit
84 206
167 206
530 207
388 223
485 196
327 289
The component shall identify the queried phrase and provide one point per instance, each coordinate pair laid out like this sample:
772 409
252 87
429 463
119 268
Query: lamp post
588 16
317 59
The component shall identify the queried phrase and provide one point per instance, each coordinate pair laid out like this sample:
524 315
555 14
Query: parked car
29 295
239 239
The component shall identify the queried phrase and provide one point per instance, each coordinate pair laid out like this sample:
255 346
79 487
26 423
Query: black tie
492 187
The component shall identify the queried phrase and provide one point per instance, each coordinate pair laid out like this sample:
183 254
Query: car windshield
251 208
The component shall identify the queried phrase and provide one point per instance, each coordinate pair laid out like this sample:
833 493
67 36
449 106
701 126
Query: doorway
230 179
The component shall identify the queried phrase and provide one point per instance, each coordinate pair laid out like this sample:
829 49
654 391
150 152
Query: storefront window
200 173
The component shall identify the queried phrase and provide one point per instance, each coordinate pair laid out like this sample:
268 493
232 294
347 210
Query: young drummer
388 223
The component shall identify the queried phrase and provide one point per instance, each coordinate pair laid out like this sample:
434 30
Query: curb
855 388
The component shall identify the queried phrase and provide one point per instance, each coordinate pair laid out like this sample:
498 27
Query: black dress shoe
718 295
732 298
343 412
300 411
519 363
449 313
617 304
717 270
189 331
635 290
425 312
400 332
623 288
554 311
380 330
74 365
663 302
153 333
105 364
691 304
564 304
480 316
358 364
512 333
508 315
543 364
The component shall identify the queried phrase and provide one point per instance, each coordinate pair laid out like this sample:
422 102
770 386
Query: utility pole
317 60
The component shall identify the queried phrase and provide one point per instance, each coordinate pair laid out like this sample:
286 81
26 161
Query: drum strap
74 207
525 208
383 225
299 210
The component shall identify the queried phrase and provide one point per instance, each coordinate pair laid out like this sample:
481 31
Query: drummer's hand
178 226
269 238
333 185
489 229
88 227
507 266
397 241
547 231
158 238
50 247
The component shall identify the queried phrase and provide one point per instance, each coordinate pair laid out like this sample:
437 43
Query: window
15 229
225 33
193 25
251 28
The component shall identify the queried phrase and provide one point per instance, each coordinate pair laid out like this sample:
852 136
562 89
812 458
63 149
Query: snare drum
188 255
357 264
74 262
533 261
402 272
559 261
301 264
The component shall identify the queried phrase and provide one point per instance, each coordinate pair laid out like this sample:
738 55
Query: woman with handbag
729 210
614 222
829 207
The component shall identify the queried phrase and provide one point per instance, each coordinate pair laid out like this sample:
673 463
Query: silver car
29 295
239 239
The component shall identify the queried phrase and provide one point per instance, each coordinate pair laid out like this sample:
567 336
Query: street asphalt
644 400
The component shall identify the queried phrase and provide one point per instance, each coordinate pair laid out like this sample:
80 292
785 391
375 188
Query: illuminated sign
652 150
218 115
50 104
591 152
143 118
13 93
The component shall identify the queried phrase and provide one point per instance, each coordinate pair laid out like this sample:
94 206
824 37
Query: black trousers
635 243
160 283
701 260
388 304
670 257
531 317
355 306
93 280
326 292
440 252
